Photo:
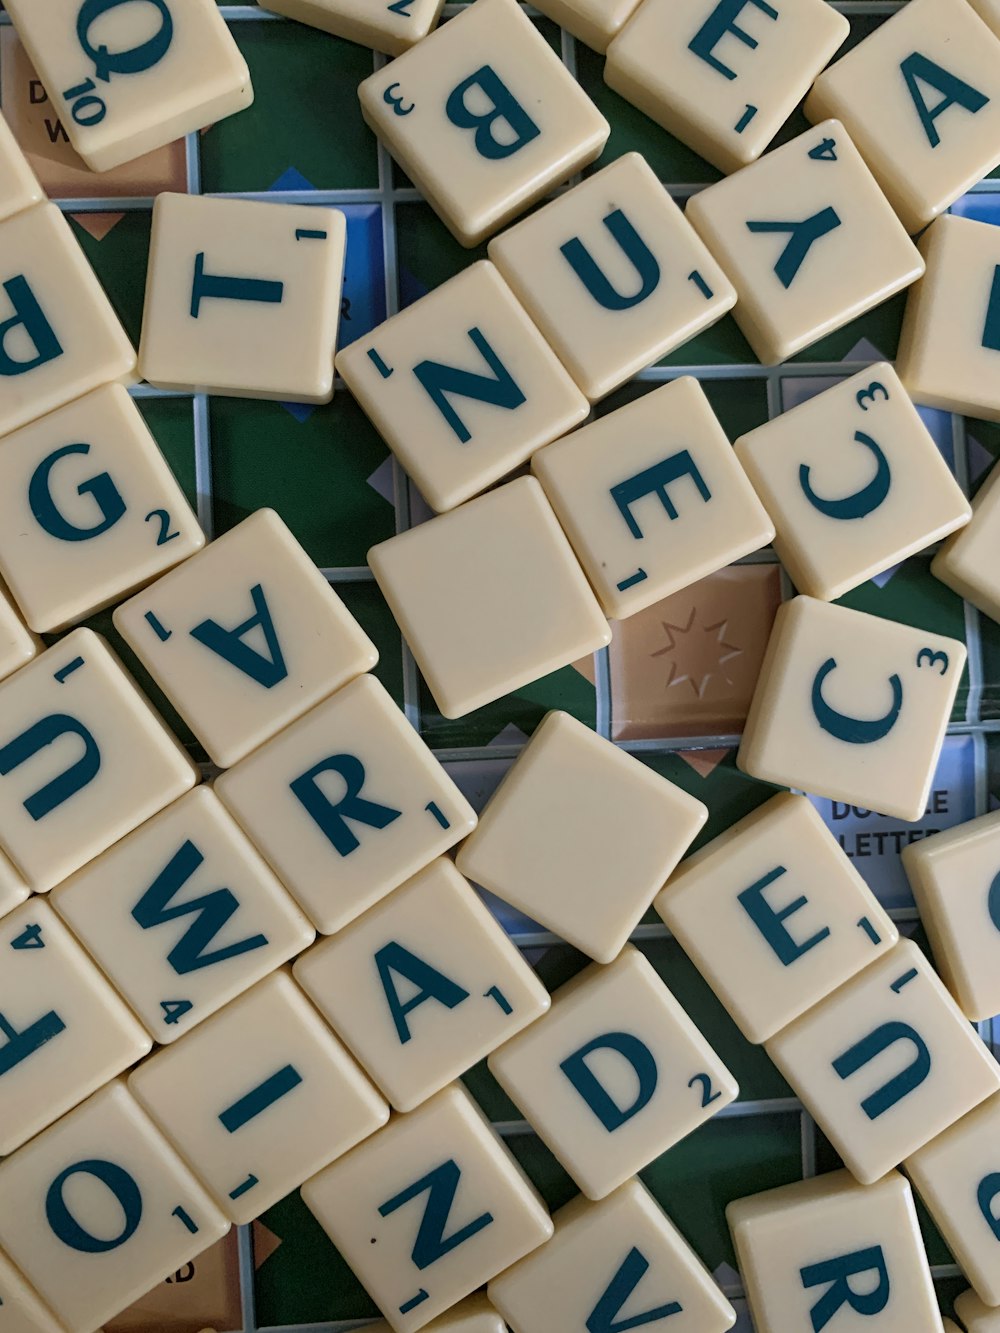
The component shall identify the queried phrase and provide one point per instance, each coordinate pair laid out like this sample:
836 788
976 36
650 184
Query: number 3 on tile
927 657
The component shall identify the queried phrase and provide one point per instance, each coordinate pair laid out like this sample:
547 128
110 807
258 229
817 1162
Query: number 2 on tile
165 534
707 1095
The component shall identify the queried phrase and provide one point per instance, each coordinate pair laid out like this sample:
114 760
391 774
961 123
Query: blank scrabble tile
462 386
977 1317
852 707
89 510
243 298
372 1205
21 1311
484 118
423 986
574 815
59 337
175 72
489 597
965 562
19 187
949 346
886 1062
652 498
65 1030
389 26
475 1315
259 1098
955 877
347 804
99 1208
594 22
613 275
829 1251
808 240
920 96
152 913
245 638
774 915
13 890
723 78
854 483
622 1254
989 12
958 1177
84 757
614 1074
18 646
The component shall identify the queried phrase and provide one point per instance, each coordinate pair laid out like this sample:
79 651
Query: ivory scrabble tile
84 758
977 1317
21 1311
965 562
989 12
346 804
89 510
18 646
949 346
19 187
886 1063
808 240
423 986
159 74
613 275
152 913
245 638
955 877
631 489
259 1097
920 96
59 337
462 386
828 1252
99 1208
725 77
13 890
774 915
65 1030
243 298
574 815
614 1074
621 1254
594 22
484 117
390 26
852 707
854 483
429 1209
958 1177
475 1315
489 597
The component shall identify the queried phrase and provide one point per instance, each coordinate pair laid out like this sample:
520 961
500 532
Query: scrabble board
673 688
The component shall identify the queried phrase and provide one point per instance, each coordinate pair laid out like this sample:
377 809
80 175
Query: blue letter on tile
230 645
430 983
991 329
67 784
635 250
121 1184
838 1273
654 481
498 389
802 236
504 107
639 1056
29 317
917 69
870 1048
106 495
862 502
440 1186
604 1316
332 816
853 730
770 922
722 20
19 1045
207 285
987 1195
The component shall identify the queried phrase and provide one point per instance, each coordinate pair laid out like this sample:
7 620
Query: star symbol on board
698 653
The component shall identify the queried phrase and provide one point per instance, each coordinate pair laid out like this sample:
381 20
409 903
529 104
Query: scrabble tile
950 340
474 1315
668 468
989 12
489 597
59 337
852 707
390 27
159 75
89 510
574 815
886 1062
177 946
259 1097
373 981
977 1317
18 645
346 804
84 757
20 1309
958 1177
623 1252
723 77
462 386
243 298
965 562
246 637
920 97
65 1030
613 275
774 915
13 890
808 240
418 1255
615 1056
853 481
593 22
484 118
19 187
829 1251
99 1208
